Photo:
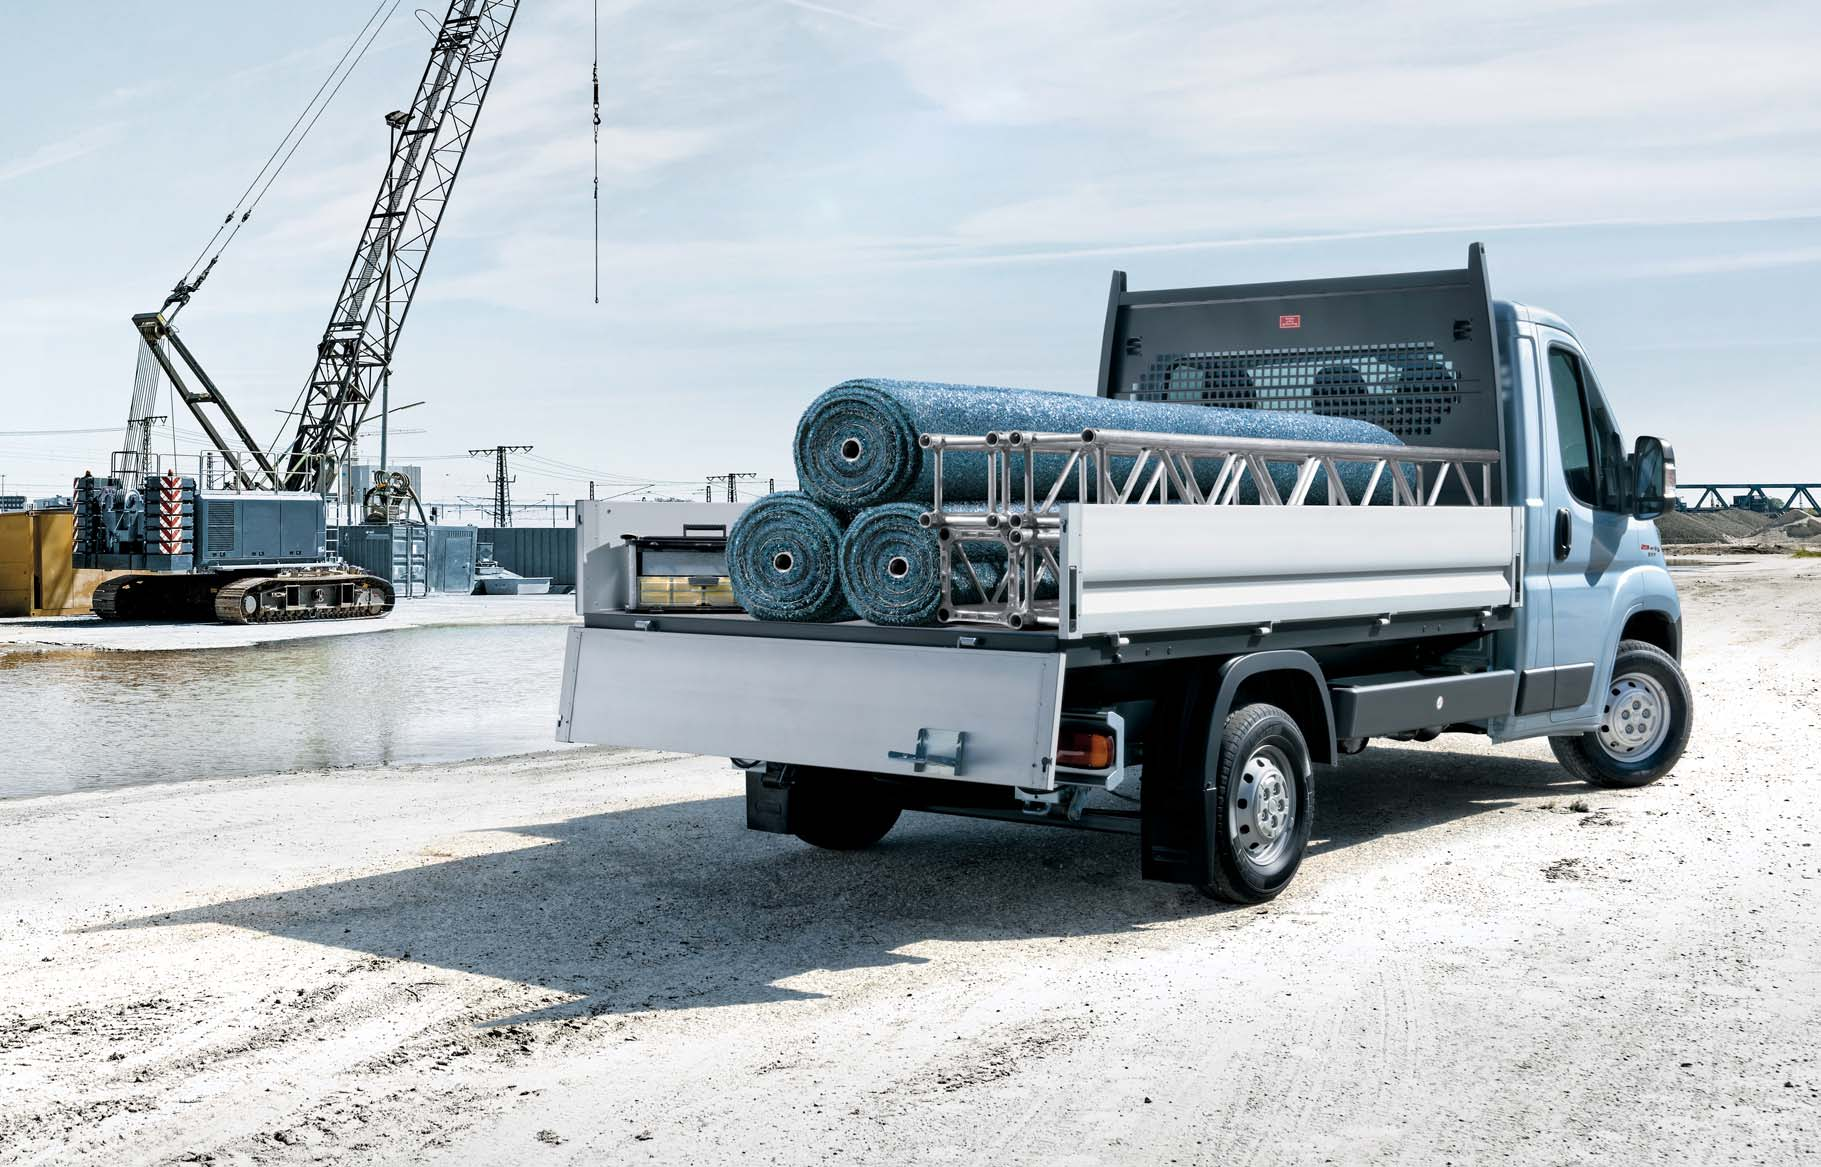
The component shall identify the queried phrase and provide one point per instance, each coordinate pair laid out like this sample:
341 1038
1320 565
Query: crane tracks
110 601
253 599
150 597
287 598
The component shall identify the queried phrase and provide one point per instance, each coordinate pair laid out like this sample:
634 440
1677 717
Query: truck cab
1595 575
1190 666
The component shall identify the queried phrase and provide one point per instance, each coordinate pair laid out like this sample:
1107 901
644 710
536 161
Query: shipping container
535 551
415 560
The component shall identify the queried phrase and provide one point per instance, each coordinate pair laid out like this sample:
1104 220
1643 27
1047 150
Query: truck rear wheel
1646 719
1261 803
840 810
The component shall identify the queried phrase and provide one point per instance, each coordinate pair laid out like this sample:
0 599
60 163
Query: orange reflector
1085 749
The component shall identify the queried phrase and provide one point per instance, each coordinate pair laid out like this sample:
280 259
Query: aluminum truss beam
1026 487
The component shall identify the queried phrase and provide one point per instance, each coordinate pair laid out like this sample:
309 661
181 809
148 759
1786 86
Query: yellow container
36 578
18 565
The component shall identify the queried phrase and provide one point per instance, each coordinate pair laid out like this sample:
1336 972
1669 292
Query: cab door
1585 461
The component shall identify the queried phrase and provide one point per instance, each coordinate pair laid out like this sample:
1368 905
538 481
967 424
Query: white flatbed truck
1200 660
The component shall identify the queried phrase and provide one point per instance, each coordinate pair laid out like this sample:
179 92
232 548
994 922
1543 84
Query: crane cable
281 144
597 151
237 218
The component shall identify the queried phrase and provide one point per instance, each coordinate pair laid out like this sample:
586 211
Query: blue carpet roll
856 444
783 559
891 566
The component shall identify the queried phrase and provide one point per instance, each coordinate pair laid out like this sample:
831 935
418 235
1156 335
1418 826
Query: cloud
53 154
956 255
1347 114
1276 75
1758 260
797 190
839 14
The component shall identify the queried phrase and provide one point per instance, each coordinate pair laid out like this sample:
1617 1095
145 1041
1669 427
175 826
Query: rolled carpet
891 567
783 559
856 444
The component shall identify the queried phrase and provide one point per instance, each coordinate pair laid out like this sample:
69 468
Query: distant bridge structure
1752 495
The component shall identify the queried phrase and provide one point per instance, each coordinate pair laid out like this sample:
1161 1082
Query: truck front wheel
1261 805
840 810
1644 725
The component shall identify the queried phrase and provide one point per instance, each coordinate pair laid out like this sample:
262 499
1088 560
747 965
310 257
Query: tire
840 810
1257 839
1648 716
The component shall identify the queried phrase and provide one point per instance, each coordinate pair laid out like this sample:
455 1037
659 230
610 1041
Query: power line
553 468
572 472
502 481
54 433
732 478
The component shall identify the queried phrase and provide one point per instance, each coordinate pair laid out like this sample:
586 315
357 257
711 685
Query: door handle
1564 533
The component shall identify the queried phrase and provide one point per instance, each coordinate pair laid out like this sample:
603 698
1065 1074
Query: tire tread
1582 756
1238 725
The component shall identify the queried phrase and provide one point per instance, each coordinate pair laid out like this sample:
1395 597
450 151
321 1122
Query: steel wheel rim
1262 807
1635 720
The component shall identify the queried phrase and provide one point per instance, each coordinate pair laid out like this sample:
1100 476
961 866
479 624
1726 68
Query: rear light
1085 749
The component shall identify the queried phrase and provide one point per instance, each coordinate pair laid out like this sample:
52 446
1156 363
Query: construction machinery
241 533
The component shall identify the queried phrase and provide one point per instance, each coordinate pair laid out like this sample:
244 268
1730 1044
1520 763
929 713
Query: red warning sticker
1290 321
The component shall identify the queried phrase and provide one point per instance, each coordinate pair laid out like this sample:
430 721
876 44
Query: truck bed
1192 571
1149 557
860 696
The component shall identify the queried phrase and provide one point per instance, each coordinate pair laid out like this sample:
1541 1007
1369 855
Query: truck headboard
1413 353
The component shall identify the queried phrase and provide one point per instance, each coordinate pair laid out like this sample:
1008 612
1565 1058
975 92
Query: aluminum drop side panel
1153 568
818 703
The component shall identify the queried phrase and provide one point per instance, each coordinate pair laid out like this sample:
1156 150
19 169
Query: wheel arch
1288 679
1653 625
1175 845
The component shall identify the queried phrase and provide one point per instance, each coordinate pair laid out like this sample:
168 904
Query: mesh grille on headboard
1406 387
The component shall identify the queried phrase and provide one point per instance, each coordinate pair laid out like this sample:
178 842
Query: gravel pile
1738 526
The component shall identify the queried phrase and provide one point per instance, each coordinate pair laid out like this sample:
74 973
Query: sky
794 193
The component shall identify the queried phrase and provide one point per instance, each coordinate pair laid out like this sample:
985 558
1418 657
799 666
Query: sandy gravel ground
48 632
585 959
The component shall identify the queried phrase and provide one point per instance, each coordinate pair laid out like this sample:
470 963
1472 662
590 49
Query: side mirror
1653 478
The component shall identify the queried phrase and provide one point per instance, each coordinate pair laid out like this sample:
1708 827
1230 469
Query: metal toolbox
687 573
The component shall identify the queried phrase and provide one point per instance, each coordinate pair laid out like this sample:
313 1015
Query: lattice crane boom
429 142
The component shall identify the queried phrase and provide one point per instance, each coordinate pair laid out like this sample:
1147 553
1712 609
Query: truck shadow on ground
678 906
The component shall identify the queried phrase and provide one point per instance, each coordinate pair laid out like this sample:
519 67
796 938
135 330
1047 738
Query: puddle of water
90 720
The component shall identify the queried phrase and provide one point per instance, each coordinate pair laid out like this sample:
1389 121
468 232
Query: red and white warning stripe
170 514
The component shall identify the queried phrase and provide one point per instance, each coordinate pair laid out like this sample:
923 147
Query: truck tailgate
843 704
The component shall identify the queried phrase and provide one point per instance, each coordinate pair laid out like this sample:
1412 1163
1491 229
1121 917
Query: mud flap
1174 809
767 802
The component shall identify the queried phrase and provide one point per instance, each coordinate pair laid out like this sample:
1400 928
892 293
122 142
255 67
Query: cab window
1585 434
